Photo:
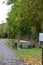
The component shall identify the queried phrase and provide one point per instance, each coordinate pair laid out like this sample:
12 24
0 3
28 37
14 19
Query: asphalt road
7 56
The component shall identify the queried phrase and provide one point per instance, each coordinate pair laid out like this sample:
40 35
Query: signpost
41 41
41 37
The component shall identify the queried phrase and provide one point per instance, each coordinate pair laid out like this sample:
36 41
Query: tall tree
25 17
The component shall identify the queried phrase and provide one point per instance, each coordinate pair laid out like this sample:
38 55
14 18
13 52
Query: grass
33 51
31 56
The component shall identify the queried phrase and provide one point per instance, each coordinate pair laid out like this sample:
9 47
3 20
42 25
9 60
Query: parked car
29 44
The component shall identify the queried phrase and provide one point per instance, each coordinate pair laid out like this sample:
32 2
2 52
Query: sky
4 9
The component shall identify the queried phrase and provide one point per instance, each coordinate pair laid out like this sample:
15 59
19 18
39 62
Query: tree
25 17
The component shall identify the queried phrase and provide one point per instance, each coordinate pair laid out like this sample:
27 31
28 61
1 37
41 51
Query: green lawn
31 56
33 51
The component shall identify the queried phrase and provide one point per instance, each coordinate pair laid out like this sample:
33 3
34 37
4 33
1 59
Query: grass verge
31 56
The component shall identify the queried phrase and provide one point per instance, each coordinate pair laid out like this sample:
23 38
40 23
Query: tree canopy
25 17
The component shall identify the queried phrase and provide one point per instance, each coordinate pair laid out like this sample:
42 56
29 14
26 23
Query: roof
23 41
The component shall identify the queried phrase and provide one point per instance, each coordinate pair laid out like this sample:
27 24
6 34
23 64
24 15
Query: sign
41 37
41 40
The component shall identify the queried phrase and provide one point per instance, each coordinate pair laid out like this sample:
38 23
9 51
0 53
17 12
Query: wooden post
8 35
42 55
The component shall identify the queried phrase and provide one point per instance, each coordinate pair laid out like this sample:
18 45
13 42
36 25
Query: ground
7 56
31 56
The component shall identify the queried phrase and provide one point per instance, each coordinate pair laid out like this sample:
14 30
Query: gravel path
7 56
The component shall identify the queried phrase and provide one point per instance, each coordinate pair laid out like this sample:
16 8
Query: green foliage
25 17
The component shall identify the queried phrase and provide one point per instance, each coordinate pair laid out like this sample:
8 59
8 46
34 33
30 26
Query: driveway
7 56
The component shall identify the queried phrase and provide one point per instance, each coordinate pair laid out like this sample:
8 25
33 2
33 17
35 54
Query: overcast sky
3 11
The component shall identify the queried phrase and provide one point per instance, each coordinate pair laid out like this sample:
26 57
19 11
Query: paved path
7 56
